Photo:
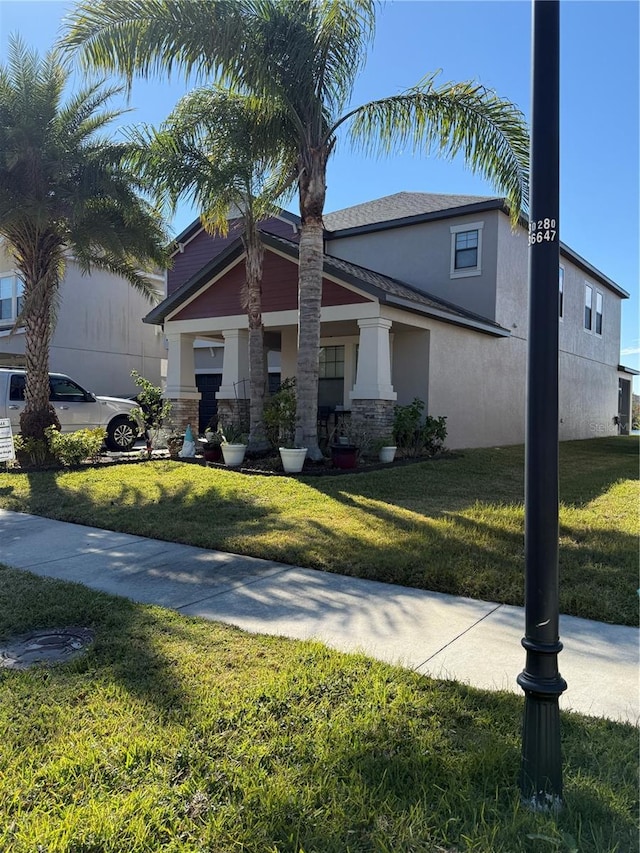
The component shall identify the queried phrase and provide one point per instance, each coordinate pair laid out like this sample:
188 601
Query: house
424 295
99 337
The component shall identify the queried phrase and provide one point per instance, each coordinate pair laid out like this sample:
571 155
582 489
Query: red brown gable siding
204 248
279 291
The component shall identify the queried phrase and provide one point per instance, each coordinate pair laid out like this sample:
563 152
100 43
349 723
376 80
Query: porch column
181 384
233 396
373 396
373 377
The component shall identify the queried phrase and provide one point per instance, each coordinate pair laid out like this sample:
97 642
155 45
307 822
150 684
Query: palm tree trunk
39 271
255 252
312 196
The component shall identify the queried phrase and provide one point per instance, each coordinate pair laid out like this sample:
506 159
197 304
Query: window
561 293
588 307
16 387
331 363
598 313
64 390
466 249
11 298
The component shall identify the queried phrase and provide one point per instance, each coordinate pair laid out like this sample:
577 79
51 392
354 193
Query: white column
235 365
181 379
373 378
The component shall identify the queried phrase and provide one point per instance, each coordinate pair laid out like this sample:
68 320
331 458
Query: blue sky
489 42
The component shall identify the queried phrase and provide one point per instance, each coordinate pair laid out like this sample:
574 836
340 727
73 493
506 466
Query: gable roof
192 230
387 290
394 210
404 208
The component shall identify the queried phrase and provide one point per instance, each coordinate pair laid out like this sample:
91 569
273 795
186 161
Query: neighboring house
99 335
424 296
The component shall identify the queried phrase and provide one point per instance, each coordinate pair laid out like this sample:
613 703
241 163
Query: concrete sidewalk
476 642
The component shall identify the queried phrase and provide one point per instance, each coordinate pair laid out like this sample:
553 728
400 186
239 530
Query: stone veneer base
375 417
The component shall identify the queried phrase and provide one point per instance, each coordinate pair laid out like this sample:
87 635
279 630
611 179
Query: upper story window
11 290
593 309
466 249
588 307
599 300
561 292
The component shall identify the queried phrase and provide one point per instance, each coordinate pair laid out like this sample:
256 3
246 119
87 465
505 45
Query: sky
489 42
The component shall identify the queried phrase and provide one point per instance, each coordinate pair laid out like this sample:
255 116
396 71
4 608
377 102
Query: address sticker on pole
542 229
6 441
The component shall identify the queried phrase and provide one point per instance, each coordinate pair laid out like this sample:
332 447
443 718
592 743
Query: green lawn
453 524
182 736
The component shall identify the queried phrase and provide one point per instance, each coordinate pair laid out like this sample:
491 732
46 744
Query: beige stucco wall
99 336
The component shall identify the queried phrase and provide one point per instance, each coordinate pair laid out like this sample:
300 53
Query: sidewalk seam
457 637
234 587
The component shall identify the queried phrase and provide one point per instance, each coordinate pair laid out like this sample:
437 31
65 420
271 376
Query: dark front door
208 384
624 405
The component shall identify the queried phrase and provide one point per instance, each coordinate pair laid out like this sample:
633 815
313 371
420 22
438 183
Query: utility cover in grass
45 646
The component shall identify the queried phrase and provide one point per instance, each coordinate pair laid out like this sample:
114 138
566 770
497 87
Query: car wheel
121 434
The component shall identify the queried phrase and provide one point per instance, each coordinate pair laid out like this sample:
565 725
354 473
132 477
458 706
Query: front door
624 405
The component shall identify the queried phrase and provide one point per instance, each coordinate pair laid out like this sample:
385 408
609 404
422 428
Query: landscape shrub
412 435
72 448
280 414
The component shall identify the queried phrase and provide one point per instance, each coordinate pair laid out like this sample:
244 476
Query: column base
183 412
234 412
373 416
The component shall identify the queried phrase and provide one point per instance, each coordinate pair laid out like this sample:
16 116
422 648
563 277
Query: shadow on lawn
291 746
124 650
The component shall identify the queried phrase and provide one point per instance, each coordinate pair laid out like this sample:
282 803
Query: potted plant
175 440
233 445
280 425
386 448
348 442
211 445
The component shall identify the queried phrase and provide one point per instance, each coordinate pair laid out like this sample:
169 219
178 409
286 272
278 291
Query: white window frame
9 321
599 298
561 292
468 271
588 303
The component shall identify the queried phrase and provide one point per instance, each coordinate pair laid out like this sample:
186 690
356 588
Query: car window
64 390
16 387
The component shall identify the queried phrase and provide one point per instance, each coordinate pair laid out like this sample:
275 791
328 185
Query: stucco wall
477 382
421 256
587 373
99 337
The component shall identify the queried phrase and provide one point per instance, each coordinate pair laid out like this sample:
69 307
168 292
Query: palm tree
218 150
304 56
64 191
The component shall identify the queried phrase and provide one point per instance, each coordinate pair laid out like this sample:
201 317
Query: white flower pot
387 454
292 459
233 454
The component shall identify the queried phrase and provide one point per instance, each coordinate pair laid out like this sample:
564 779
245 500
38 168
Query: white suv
75 408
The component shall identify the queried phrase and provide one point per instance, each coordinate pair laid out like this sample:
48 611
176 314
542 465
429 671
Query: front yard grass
451 525
178 735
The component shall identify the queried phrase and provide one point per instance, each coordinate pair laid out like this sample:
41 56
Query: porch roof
387 290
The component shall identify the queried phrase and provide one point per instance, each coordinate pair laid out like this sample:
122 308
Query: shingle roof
393 291
398 206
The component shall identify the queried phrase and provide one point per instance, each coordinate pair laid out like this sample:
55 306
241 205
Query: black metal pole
541 771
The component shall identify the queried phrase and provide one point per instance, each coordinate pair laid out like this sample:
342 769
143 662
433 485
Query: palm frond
456 118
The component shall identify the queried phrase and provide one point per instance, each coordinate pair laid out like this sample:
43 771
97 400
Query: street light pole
541 770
